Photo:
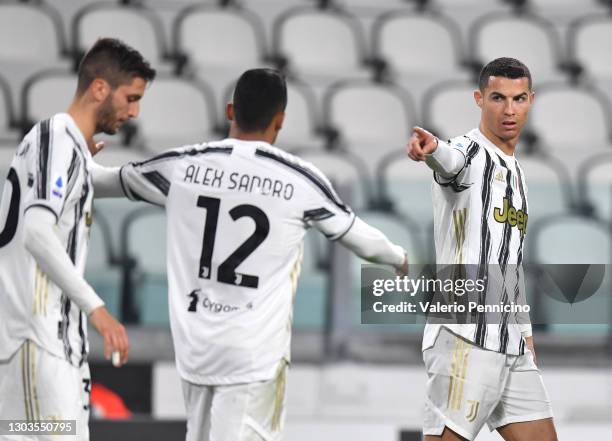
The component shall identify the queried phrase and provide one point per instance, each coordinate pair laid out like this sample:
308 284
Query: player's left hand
529 343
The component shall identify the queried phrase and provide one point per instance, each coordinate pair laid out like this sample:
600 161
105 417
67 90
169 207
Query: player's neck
85 120
264 136
506 146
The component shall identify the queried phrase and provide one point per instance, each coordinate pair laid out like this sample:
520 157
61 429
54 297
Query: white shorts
469 386
38 386
240 412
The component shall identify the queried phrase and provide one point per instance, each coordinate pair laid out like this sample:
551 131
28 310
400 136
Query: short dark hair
115 62
259 95
503 67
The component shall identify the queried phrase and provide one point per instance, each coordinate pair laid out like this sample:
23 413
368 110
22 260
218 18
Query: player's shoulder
304 171
469 144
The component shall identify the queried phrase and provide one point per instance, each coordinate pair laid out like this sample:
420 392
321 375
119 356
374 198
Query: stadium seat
449 109
398 232
200 32
564 8
527 37
320 43
343 169
176 112
135 25
310 302
30 33
372 119
565 117
549 191
211 53
564 305
404 186
7 117
585 38
594 182
100 272
7 151
301 119
397 39
148 274
45 94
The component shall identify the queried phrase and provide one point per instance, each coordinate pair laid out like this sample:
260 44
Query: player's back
237 214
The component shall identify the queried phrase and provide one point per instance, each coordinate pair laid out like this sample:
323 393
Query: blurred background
361 74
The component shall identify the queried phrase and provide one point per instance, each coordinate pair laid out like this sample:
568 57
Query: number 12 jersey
237 212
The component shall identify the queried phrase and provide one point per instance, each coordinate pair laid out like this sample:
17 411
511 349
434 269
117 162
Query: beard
106 120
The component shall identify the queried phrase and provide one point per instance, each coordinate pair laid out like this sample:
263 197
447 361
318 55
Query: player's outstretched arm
106 181
438 155
372 245
41 241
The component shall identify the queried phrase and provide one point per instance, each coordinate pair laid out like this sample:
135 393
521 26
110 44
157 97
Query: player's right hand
113 332
421 143
403 269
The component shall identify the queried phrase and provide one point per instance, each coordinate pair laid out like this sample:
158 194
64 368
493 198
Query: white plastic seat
150 288
572 245
320 42
548 186
175 112
344 171
6 112
215 37
46 94
137 26
565 117
528 38
450 109
301 123
103 277
30 33
586 37
595 185
407 185
372 119
397 39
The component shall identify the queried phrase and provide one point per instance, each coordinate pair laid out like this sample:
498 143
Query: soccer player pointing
46 214
237 212
483 372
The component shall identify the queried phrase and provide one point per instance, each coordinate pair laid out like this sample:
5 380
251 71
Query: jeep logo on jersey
509 214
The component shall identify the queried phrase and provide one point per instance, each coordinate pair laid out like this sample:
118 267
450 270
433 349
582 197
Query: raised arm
438 155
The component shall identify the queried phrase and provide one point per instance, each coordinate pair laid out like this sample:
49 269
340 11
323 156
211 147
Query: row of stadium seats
129 271
340 45
368 118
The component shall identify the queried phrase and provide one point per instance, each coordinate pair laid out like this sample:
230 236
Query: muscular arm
372 245
42 242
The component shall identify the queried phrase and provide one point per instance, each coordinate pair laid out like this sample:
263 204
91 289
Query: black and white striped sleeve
451 162
150 180
324 210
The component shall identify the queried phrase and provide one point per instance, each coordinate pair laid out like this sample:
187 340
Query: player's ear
478 97
99 89
229 111
279 119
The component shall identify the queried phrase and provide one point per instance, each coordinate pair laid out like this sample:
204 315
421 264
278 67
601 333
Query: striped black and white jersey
480 220
51 170
237 212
